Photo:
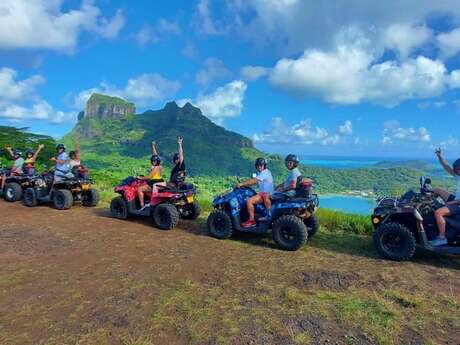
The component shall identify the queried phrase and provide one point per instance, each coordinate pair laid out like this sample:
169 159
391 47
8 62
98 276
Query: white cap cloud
393 132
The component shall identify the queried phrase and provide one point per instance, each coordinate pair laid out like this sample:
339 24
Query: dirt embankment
80 277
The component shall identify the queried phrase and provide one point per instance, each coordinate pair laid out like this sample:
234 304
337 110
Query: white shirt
265 181
457 194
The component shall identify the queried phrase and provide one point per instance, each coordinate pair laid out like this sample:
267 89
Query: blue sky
348 78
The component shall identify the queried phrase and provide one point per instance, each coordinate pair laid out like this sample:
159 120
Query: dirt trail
81 277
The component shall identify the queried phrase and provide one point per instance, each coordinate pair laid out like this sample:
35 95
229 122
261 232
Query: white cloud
214 69
145 36
302 133
205 21
42 24
403 38
143 90
449 142
170 27
226 101
449 42
15 90
455 79
252 73
153 34
393 132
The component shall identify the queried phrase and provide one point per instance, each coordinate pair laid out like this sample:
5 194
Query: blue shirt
62 169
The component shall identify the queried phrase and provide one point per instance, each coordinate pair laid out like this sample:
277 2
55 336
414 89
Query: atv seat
280 197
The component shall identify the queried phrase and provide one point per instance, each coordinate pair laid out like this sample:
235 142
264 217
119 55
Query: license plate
190 199
85 186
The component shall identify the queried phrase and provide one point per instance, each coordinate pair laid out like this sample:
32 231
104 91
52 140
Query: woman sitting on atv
153 178
16 169
31 158
178 172
452 201
62 169
76 168
288 187
264 179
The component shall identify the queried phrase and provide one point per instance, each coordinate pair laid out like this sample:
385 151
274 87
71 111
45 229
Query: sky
342 78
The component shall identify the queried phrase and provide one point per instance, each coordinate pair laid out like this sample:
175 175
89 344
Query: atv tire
191 211
119 208
30 197
13 192
165 216
312 224
62 199
289 232
90 198
219 225
394 241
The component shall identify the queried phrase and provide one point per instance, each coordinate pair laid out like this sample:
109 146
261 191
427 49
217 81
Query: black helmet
30 152
155 160
60 147
17 153
261 161
175 157
291 158
456 165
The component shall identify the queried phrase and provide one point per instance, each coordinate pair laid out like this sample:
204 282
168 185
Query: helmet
60 147
30 152
456 165
260 161
17 153
155 160
291 158
175 157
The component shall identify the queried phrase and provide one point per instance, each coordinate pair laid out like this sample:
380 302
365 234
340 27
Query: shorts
155 181
265 195
454 209
451 198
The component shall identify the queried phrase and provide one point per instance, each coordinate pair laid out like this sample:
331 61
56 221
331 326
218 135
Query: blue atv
293 218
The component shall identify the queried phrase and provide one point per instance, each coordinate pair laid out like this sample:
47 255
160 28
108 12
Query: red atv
167 204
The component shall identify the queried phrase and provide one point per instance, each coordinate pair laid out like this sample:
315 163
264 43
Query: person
31 158
178 172
452 201
61 169
153 179
75 166
289 185
16 169
264 179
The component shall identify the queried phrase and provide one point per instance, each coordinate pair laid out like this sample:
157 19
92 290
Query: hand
53 159
238 185
8 147
438 152
41 146
180 140
154 143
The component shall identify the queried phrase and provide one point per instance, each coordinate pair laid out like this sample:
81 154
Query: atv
63 193
15 186
401 224
167 204
293 218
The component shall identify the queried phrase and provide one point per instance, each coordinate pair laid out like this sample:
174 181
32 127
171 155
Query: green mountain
109 126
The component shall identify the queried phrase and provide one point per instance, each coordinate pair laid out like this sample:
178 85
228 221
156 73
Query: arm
444 163
154 148
181 150
40 147
247 183
453 202
9 150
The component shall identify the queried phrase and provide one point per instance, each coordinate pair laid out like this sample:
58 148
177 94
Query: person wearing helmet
178 172
288 186
62 168
153 179
31 158
452 200
16 169
264 179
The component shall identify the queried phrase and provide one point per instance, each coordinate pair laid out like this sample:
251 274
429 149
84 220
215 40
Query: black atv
15 186
63 193
403 223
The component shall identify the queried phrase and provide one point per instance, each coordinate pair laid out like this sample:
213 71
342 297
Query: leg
140 193
256 199
442 193
3 181
267 201
440 214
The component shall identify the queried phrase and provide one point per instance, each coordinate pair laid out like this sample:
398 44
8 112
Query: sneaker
144 207
248 224
438 242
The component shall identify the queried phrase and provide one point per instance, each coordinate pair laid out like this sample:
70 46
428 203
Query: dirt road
80 277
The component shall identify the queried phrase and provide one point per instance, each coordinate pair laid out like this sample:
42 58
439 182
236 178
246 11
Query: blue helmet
17 153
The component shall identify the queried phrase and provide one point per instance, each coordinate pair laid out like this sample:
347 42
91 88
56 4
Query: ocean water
347 203
340 162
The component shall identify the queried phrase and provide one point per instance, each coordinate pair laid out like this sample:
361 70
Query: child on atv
76 168
16 169
289 185
154 177
264 179
62 168
31 158
178 172
452 207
